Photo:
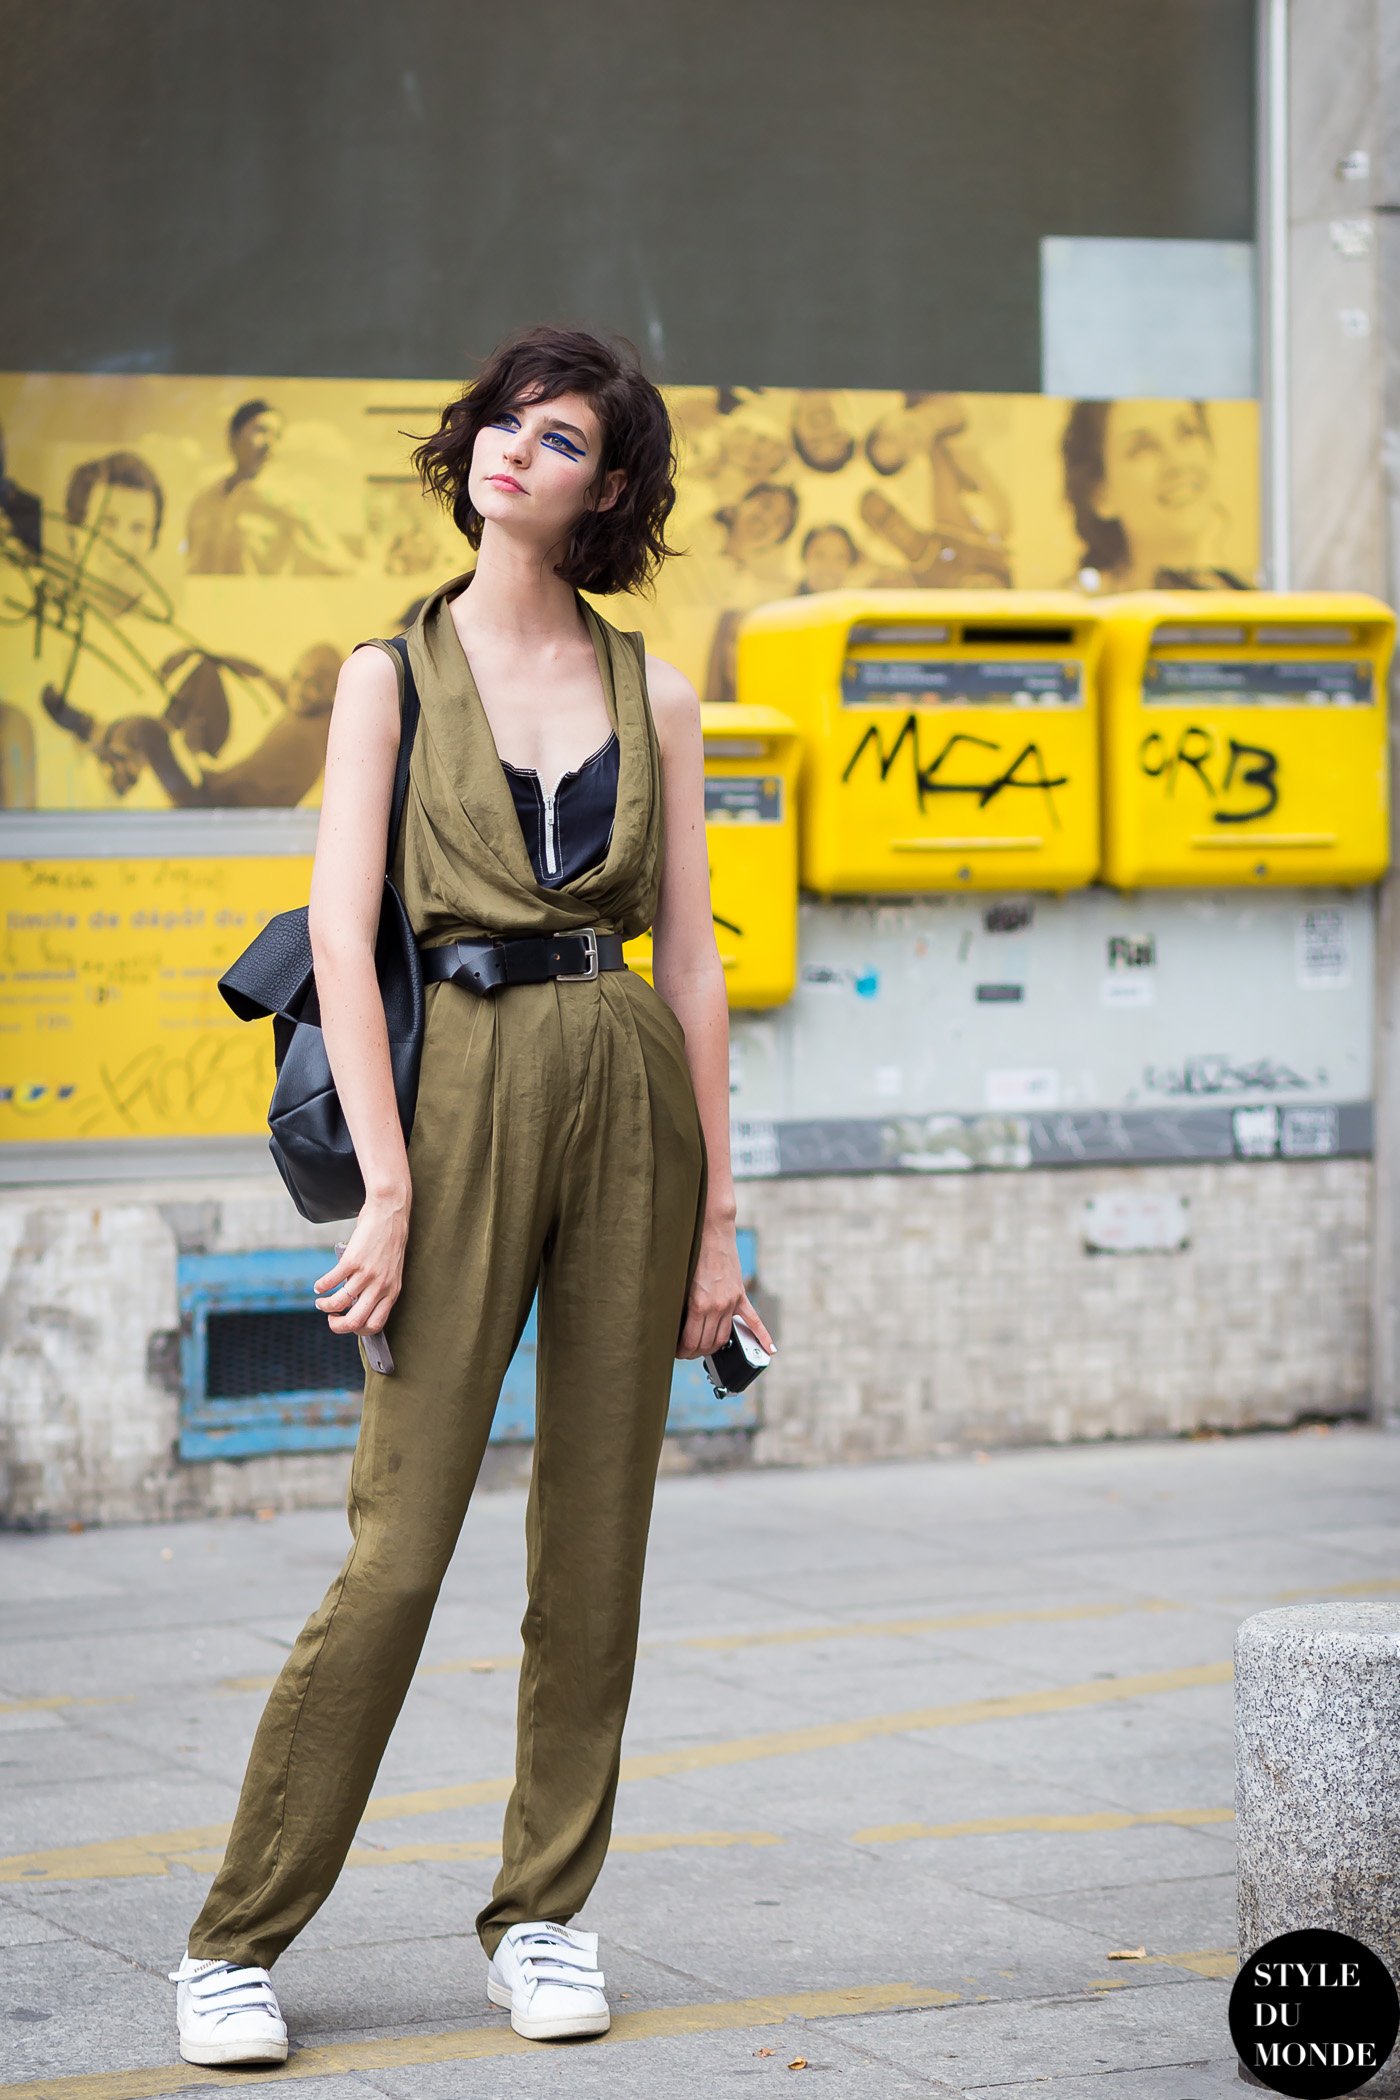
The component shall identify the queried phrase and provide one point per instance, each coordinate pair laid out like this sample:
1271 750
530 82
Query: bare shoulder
675 704
369 672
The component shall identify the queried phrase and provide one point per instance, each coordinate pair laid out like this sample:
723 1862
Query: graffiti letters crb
1241 767
1027 770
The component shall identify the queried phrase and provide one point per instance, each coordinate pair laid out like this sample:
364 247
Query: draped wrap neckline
464 865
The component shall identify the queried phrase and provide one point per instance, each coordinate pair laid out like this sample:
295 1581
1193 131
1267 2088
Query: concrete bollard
1317 1779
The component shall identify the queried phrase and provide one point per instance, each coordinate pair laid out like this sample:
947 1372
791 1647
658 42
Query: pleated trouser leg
613 1292
556 1143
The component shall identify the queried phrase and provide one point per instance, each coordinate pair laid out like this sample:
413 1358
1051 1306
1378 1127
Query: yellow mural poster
185 563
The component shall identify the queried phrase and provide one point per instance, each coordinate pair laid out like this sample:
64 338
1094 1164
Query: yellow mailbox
1245 737
752 756
950 738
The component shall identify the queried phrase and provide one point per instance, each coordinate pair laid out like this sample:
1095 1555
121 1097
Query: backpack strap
397 647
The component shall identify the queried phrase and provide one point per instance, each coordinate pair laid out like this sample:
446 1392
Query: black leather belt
529 958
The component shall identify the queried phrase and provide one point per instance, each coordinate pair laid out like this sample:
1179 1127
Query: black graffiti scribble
1008 915
215 1077
53 594
1195 748
1026 770
1220 1075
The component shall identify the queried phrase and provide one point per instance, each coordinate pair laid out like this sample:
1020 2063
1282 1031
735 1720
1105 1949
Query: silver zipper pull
551 854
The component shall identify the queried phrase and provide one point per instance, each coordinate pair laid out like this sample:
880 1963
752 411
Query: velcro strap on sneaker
544 1968
235 1991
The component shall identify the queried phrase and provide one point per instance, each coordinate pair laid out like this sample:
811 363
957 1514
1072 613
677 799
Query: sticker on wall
1135 1221
1132 970
753 1149
1256 1132
1127 991
950 1144
889 1081
1023 1087
1309 1133
1322 948
1000 994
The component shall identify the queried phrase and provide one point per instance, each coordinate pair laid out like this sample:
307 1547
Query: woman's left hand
717 1293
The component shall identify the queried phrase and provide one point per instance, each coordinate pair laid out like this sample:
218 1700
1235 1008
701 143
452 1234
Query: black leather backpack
275 977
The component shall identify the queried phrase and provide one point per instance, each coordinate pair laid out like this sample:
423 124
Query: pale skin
533 663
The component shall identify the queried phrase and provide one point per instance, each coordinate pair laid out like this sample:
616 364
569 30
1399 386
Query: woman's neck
515 597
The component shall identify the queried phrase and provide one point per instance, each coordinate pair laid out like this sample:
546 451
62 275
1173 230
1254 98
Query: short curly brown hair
619 549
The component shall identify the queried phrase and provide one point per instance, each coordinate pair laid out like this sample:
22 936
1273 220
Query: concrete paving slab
1128 2031
1166 1914
85 1814
1027 1865
72 2008
21 1925
1216 2080
823 1916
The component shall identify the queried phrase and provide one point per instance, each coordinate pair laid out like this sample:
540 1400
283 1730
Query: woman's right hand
358 1294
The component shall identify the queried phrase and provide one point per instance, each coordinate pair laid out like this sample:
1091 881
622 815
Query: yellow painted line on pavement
52 1699
791 1636
735 2015
121 1858
1209 1961
992 1826
1215 1963
490 1848
428 1852
719 1643
1333 1589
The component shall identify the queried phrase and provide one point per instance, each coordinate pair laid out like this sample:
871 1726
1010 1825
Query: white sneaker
546 1974
227 2014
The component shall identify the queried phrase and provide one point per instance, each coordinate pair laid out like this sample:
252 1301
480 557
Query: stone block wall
917 1315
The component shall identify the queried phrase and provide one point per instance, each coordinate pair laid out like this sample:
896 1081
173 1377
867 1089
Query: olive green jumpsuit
558 1143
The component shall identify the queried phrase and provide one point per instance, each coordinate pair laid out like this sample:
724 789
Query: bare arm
689 975
347 886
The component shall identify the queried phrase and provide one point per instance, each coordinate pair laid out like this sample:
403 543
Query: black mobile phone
737 1362
376 1345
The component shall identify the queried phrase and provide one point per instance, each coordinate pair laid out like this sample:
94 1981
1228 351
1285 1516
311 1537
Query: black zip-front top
571 829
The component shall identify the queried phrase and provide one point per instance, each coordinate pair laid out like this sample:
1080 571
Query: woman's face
1159 476
552 451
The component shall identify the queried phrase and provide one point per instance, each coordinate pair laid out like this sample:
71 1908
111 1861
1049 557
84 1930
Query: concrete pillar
1385 1327
1342 499
1317 1779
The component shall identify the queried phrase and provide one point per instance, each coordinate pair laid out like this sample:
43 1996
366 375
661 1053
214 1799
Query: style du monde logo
1314 2014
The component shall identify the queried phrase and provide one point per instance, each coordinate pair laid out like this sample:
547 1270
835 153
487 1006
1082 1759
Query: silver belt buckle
580 976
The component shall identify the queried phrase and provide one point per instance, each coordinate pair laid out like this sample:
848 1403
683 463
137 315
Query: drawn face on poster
113 511
1142 479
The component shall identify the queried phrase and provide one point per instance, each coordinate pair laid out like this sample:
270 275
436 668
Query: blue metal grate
261 1371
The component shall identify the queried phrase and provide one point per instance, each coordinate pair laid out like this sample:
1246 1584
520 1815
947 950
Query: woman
571 1129
1140 480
